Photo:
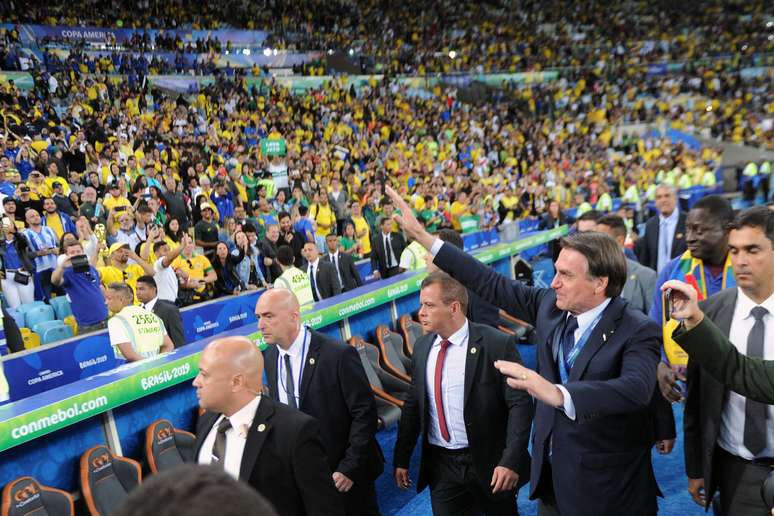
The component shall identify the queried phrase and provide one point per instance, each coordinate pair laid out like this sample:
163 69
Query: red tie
438 392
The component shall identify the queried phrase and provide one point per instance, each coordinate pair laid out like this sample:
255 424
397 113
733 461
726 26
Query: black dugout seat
166 446
411 331
107 479
25 495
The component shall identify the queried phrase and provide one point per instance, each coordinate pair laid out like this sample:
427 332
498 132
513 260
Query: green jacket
706 344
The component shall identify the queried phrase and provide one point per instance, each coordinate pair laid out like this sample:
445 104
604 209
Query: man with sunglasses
82 288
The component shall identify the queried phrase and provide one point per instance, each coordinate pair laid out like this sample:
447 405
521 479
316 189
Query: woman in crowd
225 264
249 267
16 259
349 242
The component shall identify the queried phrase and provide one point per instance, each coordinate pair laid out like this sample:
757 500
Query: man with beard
269 246
290 237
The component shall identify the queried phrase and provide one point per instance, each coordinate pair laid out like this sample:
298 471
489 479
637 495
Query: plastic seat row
106 479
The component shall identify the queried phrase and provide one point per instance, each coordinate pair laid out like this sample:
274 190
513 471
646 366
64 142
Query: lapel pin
261 427
472 351
311 361
604 337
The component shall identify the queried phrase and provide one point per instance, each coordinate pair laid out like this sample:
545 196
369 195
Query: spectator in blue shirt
82 288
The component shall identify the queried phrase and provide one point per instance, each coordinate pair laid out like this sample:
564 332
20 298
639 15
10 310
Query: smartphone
666 303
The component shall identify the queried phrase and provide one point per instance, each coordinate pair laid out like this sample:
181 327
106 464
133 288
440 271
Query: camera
80 263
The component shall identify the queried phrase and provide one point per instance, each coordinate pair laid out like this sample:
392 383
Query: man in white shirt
474 445
165 276
322 274
271 447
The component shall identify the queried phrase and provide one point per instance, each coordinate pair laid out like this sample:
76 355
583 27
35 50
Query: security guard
292 278
135 333
413 257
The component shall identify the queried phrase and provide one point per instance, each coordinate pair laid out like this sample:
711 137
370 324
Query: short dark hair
451 289
451 236
590 215
282 215
249 228
760 217
194 490
604 258
720 210
148 280
285 255
303 210
615 223
158 245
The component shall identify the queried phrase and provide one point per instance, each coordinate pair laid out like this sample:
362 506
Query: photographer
80 281
17 266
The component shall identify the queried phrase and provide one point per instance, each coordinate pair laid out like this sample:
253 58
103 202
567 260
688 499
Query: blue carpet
670 473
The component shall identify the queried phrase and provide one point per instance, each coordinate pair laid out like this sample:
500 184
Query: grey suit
640 286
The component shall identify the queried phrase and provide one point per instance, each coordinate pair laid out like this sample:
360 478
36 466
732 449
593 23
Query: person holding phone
16 260
730 341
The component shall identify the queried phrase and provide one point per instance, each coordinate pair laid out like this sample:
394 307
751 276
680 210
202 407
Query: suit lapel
723 314
471 360
256 436
209 419
422 352
310 364
270 367
599 336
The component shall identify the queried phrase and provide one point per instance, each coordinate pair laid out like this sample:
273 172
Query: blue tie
664 254
568 335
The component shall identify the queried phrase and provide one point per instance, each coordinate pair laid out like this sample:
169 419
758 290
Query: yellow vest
297 281
144 328
414 254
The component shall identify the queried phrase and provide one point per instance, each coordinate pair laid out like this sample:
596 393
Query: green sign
469 223
18 429
275 147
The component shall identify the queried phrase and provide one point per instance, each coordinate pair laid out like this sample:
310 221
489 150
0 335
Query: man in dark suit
169 314
322 274
290 237
664 236
596 374
725 432
474 441
324 378
348 275
386 248
273 448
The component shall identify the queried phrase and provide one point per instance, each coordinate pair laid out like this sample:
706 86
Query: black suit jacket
601 460
334 389
169 314
646 247
704 402
379 254
326 279
350 276
497 418
284 460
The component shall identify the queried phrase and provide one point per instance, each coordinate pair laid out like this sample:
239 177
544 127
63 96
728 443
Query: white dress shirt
389 252
150 304
236 437
297 351
334 257
312 272
666 234
584 321
453 390
731 436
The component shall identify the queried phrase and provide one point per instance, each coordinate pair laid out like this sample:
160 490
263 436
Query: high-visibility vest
605 202
751 170
145 329
765 169
297 281
414 256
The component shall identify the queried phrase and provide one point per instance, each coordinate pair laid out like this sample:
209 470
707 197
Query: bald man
273 448
324 378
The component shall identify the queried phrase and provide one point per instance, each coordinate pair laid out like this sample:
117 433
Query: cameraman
82 285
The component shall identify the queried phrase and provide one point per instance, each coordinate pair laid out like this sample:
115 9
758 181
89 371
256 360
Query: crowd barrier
45 434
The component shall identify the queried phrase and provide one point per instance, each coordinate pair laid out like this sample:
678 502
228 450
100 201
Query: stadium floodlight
452 54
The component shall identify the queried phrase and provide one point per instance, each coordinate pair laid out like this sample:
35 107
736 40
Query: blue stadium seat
56 333
61 306
17 316
38 314
23 309
42 326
